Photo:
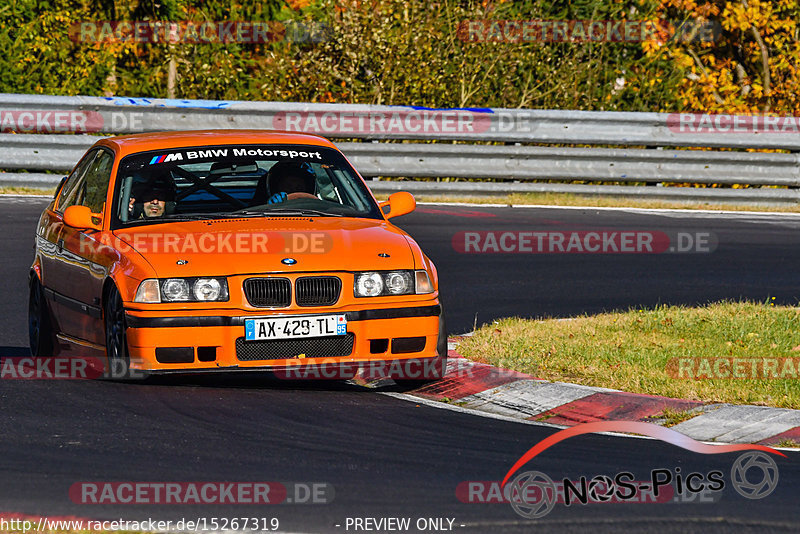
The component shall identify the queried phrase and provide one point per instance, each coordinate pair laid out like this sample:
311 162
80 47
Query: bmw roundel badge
288 261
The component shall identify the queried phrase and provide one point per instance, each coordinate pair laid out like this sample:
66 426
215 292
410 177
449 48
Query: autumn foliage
413 52
751 68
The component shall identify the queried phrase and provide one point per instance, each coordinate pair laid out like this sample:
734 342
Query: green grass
639 350
670 417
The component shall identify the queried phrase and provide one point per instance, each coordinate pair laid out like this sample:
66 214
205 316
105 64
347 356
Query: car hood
262 245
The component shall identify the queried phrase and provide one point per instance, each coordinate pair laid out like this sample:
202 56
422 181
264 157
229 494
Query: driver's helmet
292 177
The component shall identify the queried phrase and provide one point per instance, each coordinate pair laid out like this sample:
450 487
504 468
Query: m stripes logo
166 158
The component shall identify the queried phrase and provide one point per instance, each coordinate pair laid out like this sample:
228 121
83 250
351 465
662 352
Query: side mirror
80 217
399 203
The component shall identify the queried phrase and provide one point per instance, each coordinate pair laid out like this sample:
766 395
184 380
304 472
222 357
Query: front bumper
392 342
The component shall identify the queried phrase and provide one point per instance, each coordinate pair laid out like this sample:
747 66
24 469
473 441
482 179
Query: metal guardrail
488 189
525 163
675 194
120 115
37 152
43 152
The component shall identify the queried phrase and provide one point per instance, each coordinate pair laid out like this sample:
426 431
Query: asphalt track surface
387 456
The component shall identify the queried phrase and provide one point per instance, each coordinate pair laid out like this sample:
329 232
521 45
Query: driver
288 177
153 196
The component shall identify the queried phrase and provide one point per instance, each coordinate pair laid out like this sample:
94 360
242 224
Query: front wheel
116 336
40 329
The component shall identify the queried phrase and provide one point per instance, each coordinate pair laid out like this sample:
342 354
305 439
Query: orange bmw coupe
232 250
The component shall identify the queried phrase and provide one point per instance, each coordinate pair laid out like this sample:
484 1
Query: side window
325 187
97 179
68 192
91 184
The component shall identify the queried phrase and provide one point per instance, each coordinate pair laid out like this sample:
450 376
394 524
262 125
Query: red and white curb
482 387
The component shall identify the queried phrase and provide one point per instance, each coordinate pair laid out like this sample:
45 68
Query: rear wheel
116 336
40 329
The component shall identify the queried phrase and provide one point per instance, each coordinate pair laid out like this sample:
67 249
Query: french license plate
295 327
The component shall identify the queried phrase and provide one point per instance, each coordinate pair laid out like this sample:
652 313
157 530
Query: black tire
441 345
41 335
119 361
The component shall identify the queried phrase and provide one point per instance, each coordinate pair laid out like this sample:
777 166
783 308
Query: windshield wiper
197 216
286 211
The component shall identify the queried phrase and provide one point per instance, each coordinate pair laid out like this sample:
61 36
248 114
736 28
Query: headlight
399 283
182 290
374 284
369 285
175 289
207 289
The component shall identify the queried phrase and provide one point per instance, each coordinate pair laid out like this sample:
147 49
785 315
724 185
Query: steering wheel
300 194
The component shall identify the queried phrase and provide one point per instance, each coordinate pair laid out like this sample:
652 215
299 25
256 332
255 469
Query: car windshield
244 181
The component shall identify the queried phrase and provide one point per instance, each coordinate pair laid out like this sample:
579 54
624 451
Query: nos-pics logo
533 494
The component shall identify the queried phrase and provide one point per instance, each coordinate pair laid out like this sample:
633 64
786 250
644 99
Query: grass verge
543 199
673 351
27 191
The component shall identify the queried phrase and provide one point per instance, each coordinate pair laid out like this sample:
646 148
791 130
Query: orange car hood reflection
257 245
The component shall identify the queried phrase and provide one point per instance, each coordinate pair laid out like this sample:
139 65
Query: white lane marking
674 212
